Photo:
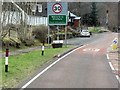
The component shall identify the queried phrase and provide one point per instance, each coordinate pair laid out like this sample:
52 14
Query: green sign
57 19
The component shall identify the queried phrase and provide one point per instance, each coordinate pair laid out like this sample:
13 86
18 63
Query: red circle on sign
57 8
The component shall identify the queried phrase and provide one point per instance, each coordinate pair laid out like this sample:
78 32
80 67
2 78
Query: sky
62 0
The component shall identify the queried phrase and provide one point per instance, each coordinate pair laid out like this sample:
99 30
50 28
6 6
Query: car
85 33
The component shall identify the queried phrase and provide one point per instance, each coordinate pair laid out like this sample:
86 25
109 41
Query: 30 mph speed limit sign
57 13
57 8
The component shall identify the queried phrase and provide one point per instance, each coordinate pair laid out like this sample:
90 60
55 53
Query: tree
93 15
85 19
91 19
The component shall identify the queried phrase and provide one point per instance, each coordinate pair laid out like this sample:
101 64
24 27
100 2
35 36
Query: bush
28 42
11 42
95 30
62 36
40 33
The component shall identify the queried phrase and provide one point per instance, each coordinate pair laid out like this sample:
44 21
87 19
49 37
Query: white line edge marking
39 74
111 66
118 78
107 56
110 62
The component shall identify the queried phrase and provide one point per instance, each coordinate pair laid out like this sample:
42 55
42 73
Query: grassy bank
24 65
95 29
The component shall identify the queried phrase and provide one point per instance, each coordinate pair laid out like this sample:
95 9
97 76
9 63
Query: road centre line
39 74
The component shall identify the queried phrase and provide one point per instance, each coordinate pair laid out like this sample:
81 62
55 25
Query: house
73 20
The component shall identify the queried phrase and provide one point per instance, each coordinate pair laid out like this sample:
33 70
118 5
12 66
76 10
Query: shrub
29 42
40 33
11 42
95 30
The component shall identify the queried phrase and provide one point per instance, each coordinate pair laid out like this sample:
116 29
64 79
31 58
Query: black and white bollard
42 50
6 60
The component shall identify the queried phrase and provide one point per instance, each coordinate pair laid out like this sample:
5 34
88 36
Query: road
86 67
83 40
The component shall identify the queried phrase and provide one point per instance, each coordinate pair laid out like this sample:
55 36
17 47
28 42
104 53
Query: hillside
81 8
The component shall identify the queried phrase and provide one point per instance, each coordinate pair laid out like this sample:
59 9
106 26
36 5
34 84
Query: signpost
57 19
57 15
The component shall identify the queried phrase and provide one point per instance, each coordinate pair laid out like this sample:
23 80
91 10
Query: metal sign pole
48 36
58 33
65 36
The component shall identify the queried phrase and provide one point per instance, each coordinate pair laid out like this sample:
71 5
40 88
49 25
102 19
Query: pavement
21 51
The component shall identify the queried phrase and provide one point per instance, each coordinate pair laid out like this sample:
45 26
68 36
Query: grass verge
95 30
0 74
24 65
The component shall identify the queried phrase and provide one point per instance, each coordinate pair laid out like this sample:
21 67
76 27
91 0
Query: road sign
57 8
57 19
57 13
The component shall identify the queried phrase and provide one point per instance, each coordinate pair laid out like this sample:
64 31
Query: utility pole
107 19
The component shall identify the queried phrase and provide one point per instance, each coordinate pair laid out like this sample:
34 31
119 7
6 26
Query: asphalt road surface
86 67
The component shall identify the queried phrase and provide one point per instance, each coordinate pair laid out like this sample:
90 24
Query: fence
10 17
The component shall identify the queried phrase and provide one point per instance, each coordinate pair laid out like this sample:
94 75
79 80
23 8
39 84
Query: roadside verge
22 66
52 64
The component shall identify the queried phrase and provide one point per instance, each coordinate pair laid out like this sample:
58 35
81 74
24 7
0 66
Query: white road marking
110 62
111 66
107 56
91 49
118 78
39 74
97 50
116 69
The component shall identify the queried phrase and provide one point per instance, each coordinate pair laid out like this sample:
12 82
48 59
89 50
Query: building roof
71 14
77 18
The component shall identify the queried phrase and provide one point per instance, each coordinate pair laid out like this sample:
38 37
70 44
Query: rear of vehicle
85 33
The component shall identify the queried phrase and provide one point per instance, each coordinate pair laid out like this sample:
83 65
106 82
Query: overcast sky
62 0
